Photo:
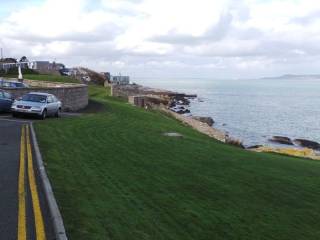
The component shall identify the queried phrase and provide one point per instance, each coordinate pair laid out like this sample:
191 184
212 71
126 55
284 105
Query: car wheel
15 115
58 113
44 114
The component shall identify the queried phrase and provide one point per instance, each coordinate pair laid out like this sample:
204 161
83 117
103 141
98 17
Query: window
6 84
1 95
50 99
34 98
7 95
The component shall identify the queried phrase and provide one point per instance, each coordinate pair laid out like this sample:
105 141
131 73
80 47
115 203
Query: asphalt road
24 212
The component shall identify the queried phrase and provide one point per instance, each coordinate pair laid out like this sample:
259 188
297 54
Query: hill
116 176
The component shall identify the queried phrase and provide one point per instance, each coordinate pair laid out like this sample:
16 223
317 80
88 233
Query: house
120 80
7 63
45 65
39 65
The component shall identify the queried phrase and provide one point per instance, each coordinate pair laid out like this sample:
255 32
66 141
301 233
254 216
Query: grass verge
50 78
116 176
46 77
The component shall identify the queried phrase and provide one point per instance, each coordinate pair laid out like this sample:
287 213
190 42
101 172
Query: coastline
177 106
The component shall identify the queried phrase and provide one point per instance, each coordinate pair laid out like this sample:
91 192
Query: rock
281 140
254 147
173 134
234 142
307 144
172 104
182 111
191 96
207 120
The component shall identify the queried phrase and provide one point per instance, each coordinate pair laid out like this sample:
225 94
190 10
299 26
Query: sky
167 38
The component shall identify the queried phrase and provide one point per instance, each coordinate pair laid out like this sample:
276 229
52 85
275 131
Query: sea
254 110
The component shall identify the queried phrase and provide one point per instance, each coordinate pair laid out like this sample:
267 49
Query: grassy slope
51 78
46 77
116 177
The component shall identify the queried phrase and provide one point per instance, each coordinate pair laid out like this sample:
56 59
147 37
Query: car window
1 95
50 100
7 95
6 84
34 98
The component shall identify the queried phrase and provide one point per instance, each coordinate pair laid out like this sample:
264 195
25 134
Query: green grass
50 78
116 176
46 77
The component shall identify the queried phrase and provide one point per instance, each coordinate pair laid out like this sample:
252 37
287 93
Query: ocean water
254 110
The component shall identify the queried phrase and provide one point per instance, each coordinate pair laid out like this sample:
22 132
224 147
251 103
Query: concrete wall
73 96
124 91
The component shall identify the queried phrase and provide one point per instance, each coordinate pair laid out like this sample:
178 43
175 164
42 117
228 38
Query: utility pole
1 53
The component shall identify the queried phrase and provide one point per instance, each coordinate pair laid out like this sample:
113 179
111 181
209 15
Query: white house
120 80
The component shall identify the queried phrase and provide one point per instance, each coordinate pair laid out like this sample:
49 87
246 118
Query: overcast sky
167 38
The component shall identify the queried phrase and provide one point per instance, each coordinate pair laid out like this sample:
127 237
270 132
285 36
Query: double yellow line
26 153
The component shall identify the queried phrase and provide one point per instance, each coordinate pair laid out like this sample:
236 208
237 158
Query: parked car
37 104
12 84
6 101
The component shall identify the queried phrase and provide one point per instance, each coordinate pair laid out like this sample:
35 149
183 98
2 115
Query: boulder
207 120
254 147
172 104
281 140
307 144
235 142
182 110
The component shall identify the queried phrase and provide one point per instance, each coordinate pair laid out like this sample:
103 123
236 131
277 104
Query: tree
24 59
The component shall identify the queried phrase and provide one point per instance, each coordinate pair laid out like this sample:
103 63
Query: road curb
58 226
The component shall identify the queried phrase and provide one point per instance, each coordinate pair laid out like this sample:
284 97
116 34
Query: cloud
214 33
308 19
177 37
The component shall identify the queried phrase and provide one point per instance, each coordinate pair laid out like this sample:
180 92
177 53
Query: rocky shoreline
177 105
179 109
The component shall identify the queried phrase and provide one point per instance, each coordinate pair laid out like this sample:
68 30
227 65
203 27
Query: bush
15 71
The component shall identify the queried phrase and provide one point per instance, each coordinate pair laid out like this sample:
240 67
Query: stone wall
124 91
73 96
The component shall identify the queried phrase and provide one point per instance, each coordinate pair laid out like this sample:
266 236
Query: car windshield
34 98
18 84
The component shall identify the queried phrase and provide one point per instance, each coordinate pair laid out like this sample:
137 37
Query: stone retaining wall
73 96
124 91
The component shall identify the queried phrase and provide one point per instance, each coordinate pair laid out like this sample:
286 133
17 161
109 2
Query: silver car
37 104
12 84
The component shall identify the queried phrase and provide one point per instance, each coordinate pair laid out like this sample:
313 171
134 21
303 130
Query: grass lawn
116 176
46 77
50 78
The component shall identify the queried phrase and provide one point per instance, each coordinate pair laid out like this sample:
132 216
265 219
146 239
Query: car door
50 105
8 100
56 104
2 102
5 101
